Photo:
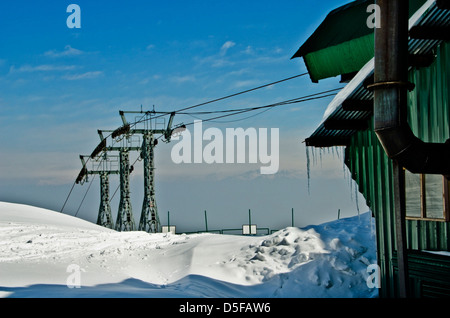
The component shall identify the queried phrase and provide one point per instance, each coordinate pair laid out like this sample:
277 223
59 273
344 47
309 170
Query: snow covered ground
48 254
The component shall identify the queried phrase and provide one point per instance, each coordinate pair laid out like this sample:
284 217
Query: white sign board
248 229
165 229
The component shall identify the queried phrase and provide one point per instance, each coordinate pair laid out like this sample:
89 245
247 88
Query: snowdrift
47 254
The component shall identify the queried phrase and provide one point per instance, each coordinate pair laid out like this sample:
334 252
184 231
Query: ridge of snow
38 246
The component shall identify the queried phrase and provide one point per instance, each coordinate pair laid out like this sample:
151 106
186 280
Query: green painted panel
343 42
428 113
352 57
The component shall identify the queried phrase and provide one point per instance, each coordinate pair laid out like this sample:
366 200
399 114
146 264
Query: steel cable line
190 107
233 95
244 110
85 194
243 92
286 102
249 109
233 112
230 121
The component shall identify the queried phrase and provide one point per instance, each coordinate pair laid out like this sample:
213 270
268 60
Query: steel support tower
104 212
101 167
149 221
125 220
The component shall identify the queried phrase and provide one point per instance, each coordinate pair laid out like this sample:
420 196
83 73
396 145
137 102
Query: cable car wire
231 112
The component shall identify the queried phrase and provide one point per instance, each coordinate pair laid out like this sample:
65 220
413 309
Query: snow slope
43 253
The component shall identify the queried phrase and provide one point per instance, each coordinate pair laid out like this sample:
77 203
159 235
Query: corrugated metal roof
429 15
327 35
342 43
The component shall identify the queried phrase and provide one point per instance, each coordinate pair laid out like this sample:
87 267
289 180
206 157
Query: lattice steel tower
104 212
149 220
101 166
125 220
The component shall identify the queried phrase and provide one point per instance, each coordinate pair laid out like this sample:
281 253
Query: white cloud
87 75
246 83
149 79
249 50
278 50
149 47
68 51
183 79
41 68
239 72
222 63
226 46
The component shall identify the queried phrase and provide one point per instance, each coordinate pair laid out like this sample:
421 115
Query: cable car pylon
149 219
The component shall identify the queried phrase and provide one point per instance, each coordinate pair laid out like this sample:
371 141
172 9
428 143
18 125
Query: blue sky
59 85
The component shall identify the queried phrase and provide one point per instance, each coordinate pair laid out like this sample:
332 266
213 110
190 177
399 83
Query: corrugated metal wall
372 170
429 118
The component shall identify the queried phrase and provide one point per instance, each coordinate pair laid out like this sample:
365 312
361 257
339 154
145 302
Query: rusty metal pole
400 229
390 103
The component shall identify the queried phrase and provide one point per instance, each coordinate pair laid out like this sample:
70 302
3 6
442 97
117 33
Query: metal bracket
408 85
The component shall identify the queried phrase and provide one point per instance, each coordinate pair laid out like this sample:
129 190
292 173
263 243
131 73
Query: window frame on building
423 199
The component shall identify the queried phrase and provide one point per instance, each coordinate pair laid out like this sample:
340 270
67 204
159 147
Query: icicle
315 156
344 170
308 166
356 198
313 152
320 157
372 225
351 189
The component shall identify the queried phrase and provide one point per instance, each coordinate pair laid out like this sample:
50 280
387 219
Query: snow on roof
343 94
354 89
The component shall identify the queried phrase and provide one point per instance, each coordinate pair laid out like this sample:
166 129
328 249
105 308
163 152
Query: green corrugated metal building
348 122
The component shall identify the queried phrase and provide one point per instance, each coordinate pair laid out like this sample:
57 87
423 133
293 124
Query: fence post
168 221
292 217
249 222
206 222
